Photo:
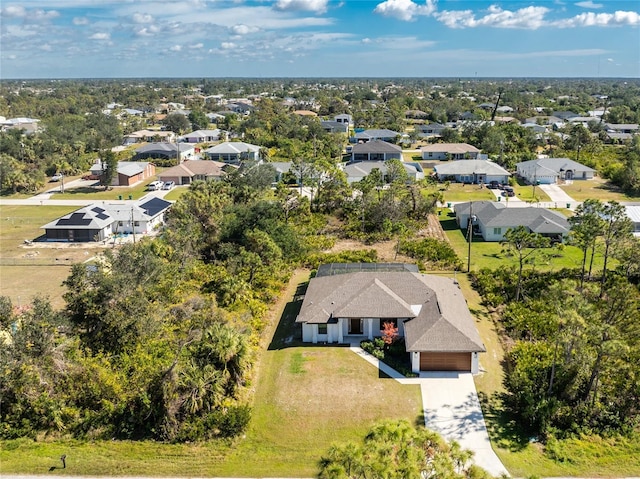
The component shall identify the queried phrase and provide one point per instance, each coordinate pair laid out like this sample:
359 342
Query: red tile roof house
429 311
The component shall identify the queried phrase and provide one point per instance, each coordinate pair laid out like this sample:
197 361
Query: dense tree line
157 338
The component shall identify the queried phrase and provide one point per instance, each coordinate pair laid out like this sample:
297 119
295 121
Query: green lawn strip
98 192
486 254
461 192
297 416
530 194
176 193
597 188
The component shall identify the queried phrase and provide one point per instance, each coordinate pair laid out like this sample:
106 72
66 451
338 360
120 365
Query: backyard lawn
99 193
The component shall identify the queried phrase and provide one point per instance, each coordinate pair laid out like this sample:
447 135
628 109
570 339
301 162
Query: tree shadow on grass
503 429
289 334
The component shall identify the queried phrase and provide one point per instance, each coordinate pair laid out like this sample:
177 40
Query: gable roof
196 167
376 146
376 133
438 317
163 147
363 168
461 167
546 165
232 147
450 148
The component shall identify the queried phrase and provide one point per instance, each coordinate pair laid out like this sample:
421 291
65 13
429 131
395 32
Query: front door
355 326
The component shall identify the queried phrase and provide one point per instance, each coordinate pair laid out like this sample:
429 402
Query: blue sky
319 38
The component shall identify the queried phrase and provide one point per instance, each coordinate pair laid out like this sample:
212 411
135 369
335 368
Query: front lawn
598 188
99 193
465 192
486 254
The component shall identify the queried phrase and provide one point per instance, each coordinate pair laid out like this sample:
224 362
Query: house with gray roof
199 170
376 150
334 126
356 171
429 311
233 152
128 173
471 171
202 136
633 212
547 171
492 220
101 221
376 134
165 151
449 151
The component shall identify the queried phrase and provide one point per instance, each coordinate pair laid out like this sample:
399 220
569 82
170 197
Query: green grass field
99 193
598 188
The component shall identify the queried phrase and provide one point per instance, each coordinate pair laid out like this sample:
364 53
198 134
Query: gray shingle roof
468 167
439 319
554 164
376 146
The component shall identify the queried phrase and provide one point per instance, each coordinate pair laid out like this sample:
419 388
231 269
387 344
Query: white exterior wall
307 332
415 362
475 367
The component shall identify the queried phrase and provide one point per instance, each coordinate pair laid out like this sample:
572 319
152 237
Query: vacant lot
597 188
40 268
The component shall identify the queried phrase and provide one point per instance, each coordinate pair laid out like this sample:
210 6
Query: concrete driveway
556 194
451 407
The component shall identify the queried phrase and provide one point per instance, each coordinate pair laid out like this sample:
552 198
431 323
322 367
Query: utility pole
469 235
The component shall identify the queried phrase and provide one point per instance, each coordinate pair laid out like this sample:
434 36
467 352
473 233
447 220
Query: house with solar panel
102 221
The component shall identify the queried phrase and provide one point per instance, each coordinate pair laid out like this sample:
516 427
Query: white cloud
176 48
317 6
405 10
100 36
141 18
196 46
589 4
529 18
46 47
227 45
366 40
80 21
590 19
243 29
14 11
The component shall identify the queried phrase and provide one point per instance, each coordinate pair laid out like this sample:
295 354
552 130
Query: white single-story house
492 220
150 136
449 151
376 150
356 171
352 304
633 212
383 134
99 221
189 171
472 171
547 171
344 118
202 136
233 152
430 130
165 151
334 126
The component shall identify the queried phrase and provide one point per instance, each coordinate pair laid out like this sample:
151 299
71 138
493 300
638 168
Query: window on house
430 155
136 223
497 231
322 329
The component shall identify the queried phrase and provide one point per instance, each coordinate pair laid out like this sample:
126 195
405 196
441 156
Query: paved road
451 407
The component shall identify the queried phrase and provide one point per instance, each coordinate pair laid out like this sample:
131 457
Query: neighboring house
189 171
344 118
564 115
376 150
547 171
539 129
430 313
430 130
233 152
630 128
472 171
305 113
142 136
415 114
376 134
99 221
358 170
334 126
165 151
281 168
633 212
240 107
202 136
493 219
128 172
29 125
504 109
446 151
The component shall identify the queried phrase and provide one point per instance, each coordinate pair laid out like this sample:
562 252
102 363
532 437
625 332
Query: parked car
56 177
508 191
155 185
168 185
494 185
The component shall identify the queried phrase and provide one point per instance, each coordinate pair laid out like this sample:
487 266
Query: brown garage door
445 361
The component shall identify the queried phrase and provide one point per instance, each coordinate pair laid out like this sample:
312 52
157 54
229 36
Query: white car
56 177
168 185
155 185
